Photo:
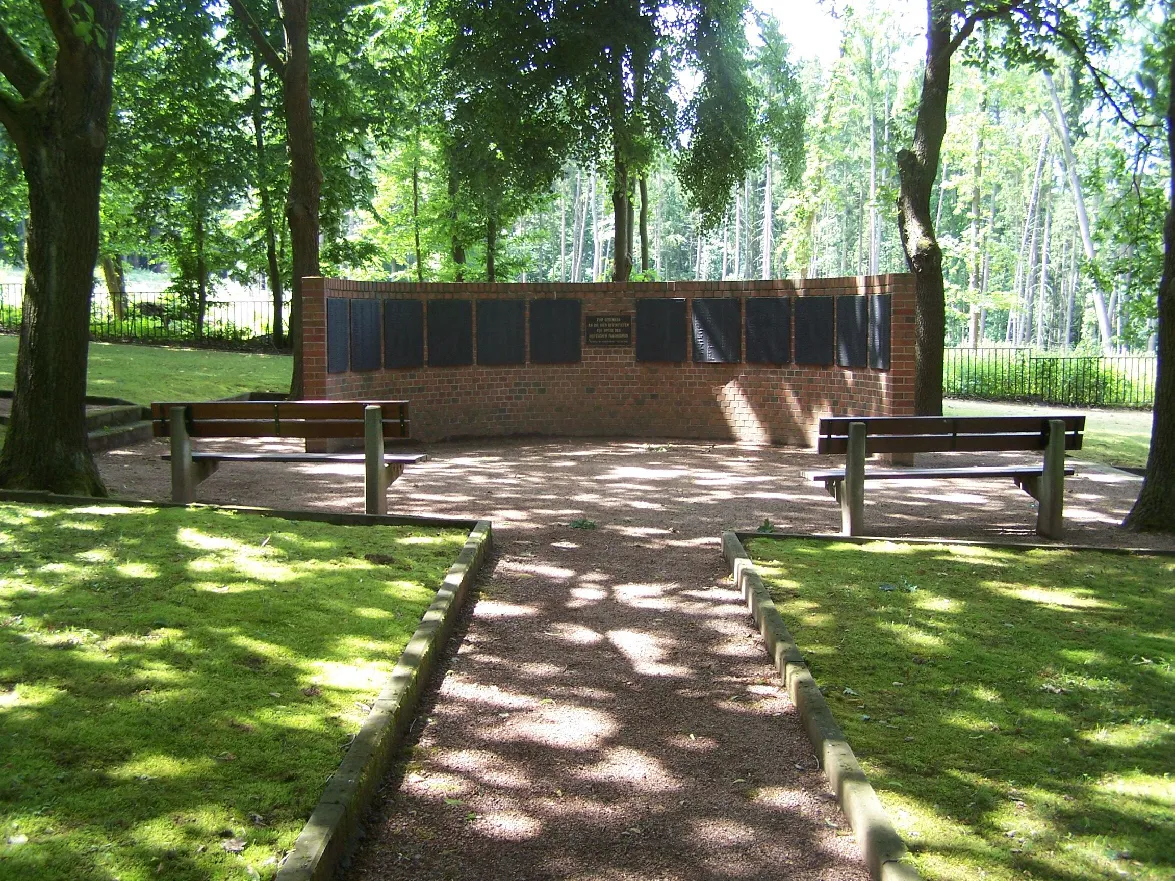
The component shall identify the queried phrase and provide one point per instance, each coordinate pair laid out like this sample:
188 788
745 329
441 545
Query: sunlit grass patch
1014 709
176 686
143 374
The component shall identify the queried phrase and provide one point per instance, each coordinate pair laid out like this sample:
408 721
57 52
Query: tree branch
12 120
263 47
970 22
1102 82
60 22
16 66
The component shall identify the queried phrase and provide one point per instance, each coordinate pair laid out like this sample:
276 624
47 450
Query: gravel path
607 711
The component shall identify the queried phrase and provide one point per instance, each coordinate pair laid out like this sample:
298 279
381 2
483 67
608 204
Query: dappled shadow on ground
655 488
608 715
1037 685
168 684
609 712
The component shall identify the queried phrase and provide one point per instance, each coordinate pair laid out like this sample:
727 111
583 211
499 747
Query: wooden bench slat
283 409
346 458
287 428
937 443
931 473
839 425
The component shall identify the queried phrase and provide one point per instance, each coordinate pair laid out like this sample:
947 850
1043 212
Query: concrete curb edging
882 846
323 841
338 518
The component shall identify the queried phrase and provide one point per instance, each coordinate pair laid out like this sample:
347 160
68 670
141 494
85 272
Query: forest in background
1049 211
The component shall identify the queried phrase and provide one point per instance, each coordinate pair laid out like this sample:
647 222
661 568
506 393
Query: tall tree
302 203
57 119
1155 508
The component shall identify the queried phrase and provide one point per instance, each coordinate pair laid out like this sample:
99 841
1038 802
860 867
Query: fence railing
1019 374
161 317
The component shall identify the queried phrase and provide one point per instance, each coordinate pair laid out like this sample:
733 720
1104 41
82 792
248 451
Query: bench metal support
186 474
376 474
851 491
1050 492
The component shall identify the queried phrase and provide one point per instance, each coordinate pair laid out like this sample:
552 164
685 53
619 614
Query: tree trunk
1024 256
1099 302
416 209
917 170
874 219
644 223
273 268
201 277
563 233
579 224
491 247
456 245
115 284
597 238
60 133
1154 510
622 259
973 267
768 217
1042 335
305 174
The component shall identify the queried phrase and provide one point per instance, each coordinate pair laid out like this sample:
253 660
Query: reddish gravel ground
607 710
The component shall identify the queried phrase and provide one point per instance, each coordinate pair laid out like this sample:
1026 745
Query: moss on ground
1015 709
176 686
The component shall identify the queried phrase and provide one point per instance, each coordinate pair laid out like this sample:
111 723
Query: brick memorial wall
754 361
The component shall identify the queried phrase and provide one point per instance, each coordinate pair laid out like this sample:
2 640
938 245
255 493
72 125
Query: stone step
122 435
109 417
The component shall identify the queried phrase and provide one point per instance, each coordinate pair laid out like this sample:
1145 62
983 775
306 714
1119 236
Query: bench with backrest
857 437
376 422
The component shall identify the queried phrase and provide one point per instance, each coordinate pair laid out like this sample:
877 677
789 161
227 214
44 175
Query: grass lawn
143 374
1014 709
1113 437
176 686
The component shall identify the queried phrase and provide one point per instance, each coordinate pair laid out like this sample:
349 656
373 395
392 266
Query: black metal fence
1020 374
163 318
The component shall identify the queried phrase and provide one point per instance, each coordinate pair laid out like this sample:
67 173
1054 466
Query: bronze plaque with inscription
609 330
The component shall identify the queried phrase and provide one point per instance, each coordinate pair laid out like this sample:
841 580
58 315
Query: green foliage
1036 684
179 684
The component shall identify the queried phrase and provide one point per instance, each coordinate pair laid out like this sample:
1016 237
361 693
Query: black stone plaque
660 330
338 335
879 331
450 333
814 330
852 331
554 331
769 330
501 332
609 330
403 333
717 331
364 335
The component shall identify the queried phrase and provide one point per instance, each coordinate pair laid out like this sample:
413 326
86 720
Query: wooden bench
377 422
858 437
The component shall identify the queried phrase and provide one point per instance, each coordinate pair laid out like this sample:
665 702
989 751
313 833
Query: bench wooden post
375 482
183 472
852 489
1050 495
